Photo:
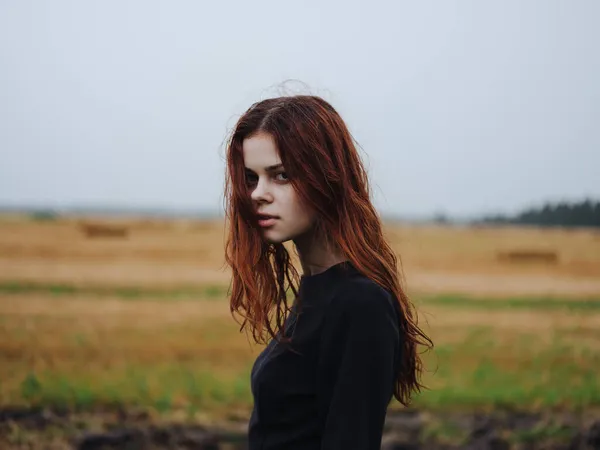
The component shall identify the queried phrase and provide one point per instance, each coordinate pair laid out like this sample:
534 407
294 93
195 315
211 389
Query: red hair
321 159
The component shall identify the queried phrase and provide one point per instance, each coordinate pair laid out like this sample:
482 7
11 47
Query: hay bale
528 256
102 230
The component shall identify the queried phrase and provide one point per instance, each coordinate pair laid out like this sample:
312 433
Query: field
133 316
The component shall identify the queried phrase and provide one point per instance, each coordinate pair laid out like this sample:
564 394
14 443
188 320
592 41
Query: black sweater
330 390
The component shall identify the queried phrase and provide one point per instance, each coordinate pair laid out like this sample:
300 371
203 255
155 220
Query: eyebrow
269 168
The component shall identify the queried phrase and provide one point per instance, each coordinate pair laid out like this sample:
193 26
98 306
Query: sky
461 107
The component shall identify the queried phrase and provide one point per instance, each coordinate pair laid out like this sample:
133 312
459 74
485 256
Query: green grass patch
161 388
518 372
514 303
219 292
124 292
473 373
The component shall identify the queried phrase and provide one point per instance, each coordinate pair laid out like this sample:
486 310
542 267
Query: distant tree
43 215
579 214
441 218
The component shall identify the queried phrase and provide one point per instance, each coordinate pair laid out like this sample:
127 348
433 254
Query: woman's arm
356 369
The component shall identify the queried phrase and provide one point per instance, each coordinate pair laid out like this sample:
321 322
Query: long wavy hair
324 167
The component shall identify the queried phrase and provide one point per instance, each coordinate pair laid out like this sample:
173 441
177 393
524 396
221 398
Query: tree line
578 214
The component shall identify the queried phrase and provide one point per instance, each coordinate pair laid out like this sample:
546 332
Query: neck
316 254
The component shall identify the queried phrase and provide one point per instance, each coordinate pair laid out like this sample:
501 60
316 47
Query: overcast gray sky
460 106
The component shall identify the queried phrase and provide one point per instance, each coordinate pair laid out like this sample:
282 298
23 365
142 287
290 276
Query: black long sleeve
332 391
358 351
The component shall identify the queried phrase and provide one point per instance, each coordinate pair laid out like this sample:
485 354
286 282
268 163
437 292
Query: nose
261 192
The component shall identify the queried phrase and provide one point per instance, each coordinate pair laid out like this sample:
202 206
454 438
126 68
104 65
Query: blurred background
478 122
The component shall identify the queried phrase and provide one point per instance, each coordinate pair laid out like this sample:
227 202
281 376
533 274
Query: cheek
295 209
302 214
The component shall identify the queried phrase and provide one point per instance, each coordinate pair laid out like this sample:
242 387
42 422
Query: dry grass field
167 254
137 316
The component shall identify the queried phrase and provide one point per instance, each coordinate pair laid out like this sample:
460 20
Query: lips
266 220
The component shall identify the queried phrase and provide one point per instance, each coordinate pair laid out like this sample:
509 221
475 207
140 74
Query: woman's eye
250 180
284 175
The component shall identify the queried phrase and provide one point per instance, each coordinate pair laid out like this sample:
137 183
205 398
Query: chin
272 237
275 240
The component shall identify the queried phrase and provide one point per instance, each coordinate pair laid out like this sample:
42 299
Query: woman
348 342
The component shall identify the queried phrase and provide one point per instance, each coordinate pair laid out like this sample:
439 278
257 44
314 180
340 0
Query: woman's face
272 192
